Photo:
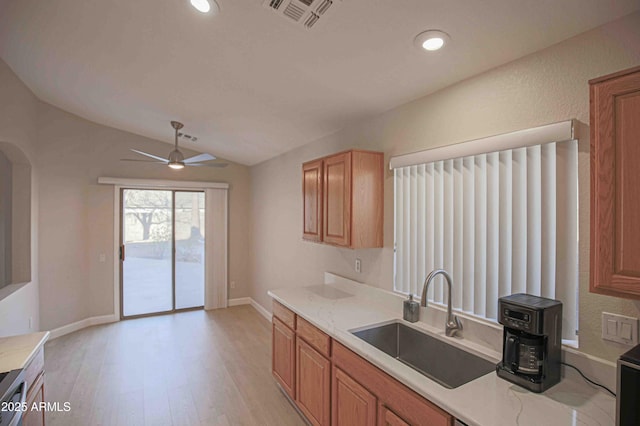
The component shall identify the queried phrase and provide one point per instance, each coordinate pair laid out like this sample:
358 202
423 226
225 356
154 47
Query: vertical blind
500 223
216 244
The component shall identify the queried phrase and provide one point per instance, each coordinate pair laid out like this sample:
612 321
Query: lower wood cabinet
333 386
404 403
313 384
34 376
352 404
35 396
283 360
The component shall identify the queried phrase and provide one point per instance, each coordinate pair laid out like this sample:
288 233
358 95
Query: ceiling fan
176 159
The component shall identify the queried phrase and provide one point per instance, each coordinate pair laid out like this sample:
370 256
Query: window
500 223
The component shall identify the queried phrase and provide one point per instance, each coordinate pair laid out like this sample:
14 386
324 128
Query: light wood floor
191 368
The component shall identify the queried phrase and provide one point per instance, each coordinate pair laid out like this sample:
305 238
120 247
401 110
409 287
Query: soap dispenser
411 310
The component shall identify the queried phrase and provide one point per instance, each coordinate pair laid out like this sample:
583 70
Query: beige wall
72 216
545 87
77 218
18 139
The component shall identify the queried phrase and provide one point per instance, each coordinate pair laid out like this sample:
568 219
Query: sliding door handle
122 252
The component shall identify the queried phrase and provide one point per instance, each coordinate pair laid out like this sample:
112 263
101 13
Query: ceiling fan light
176 156
176 159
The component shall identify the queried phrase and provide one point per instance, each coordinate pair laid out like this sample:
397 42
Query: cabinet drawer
387 417
35 367
284 315
313 336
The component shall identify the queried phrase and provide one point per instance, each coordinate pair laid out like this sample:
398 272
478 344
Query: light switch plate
620 328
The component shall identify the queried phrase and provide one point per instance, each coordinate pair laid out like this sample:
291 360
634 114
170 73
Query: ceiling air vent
294 12
275 4
311 20
306 13
323 7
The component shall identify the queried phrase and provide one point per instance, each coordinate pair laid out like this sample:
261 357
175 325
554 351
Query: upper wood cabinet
615 179
343 199
337 199
312 200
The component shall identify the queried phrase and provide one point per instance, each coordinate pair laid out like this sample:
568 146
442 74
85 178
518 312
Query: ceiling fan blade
207 165
155 157
143 161
199 158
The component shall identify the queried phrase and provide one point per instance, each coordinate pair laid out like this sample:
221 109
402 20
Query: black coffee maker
532 341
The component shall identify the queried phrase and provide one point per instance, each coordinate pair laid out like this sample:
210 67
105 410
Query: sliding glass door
189 238
162 251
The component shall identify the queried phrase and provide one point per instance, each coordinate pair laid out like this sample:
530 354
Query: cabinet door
352 404
284 357
35 396
389 418
337 199
615 179
313 384
367 199
312 200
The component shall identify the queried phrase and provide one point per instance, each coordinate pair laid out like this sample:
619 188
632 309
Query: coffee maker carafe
532 341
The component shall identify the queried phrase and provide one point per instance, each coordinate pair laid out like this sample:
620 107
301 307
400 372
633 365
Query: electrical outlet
358 266
233 284
30 323
102 257
619 328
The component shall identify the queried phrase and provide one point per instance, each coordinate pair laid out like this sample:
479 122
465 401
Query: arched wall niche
15 216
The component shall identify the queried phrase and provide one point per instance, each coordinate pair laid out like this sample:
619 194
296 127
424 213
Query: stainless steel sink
444 363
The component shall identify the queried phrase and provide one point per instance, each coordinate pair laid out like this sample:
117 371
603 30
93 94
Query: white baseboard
78 325
239 301
105 319
258 307
249 301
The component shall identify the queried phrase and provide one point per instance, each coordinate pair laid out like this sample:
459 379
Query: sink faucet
453 323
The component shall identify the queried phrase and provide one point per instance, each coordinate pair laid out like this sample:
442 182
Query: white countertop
17 351
342 306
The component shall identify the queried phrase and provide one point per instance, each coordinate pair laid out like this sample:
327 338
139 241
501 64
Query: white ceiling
250 84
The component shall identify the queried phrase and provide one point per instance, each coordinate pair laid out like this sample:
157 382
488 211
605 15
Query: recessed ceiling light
201 5
431 40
